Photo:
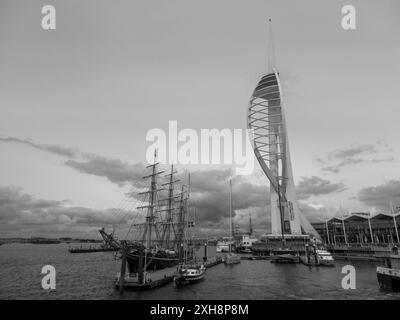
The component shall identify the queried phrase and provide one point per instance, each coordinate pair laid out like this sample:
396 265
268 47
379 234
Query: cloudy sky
76 104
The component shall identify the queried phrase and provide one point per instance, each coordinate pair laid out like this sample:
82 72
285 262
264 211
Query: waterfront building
361 228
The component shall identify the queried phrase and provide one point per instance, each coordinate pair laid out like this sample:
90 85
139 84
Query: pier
91 249
155 279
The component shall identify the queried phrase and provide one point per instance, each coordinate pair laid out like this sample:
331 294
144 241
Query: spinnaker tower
267 122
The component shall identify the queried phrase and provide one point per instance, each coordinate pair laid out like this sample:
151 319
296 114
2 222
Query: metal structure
266 120
361 228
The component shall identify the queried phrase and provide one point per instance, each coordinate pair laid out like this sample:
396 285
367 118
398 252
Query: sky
77 102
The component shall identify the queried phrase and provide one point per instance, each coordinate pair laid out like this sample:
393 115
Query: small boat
223 246
389 275
246 243
231 258
324 258
189 273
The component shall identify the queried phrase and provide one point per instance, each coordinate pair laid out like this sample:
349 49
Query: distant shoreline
41 240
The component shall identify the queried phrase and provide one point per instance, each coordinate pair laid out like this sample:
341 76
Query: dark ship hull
154 262
389 279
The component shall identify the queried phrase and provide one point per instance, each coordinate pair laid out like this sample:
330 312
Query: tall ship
157 237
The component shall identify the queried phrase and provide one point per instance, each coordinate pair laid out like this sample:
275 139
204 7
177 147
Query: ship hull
389 279
153 262
184 280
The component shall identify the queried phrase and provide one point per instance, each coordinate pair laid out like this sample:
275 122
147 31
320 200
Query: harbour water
91 276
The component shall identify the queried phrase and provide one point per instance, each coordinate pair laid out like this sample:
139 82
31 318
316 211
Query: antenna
271 48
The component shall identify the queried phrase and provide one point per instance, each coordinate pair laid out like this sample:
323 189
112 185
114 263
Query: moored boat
324 258
246 244
389 274
189 273
157 236
223 246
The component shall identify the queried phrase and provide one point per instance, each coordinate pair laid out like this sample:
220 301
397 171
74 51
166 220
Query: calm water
91 276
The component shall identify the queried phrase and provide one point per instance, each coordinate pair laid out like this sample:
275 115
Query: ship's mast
152 202
166 237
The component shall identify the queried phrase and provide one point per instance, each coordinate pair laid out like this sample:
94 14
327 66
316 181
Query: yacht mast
181 224
230 215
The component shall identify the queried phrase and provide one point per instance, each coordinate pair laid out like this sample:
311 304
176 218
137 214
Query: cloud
315 186
210 188
115 170
380 196
353 151
347 162
315 212
210 195
22 213
353 155
58 150
388 159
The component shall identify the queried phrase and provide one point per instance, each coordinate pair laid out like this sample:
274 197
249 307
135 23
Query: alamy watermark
49 18
349 280
49 280
211 146
349 18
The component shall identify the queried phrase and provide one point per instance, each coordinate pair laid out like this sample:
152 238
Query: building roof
384 216
334 219
360 217
356 217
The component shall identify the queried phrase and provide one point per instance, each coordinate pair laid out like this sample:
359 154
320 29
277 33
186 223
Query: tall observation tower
266 117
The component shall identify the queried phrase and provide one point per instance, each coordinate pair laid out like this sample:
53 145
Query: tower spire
271 48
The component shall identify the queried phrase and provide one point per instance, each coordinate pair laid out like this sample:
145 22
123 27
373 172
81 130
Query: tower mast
271 49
